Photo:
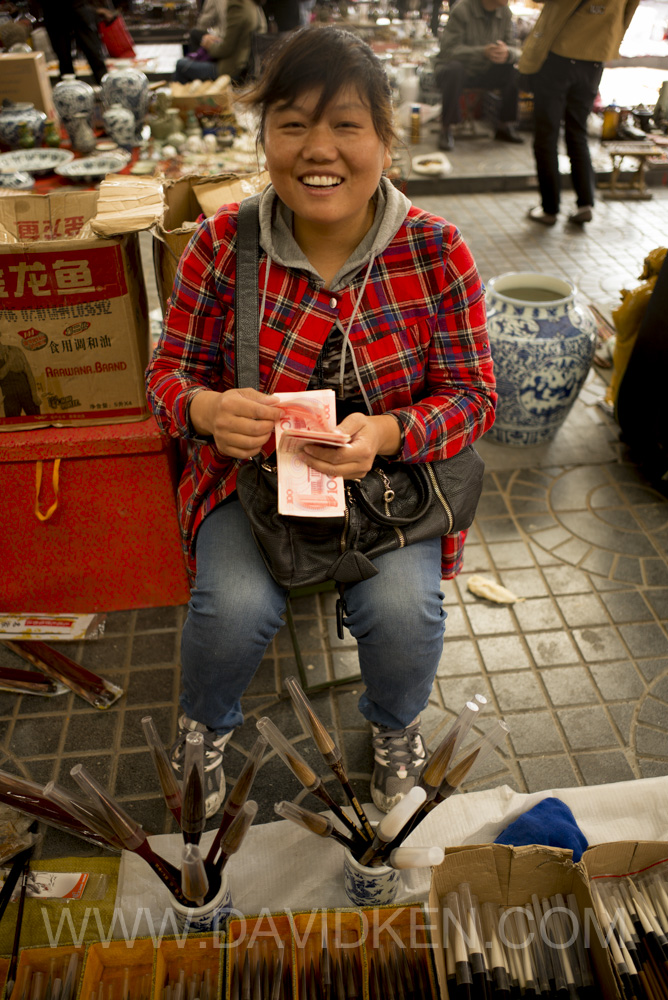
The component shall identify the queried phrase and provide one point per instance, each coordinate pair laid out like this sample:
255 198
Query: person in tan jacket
230 52
563 59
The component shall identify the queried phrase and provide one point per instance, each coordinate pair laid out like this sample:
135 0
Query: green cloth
42 915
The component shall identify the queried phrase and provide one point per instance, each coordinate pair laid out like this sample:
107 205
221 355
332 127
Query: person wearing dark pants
476 50
68 19
562 63
564 90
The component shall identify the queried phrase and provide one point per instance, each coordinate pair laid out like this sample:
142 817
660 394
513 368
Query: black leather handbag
395 504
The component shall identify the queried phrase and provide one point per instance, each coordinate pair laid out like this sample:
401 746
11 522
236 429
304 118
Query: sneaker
581 215
538 215
214 777
399 756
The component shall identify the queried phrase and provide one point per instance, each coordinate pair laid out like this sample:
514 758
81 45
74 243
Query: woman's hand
241 421
371 436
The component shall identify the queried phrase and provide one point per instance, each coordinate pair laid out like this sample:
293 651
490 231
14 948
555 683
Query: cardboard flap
623 856
27 218
127 204
211 194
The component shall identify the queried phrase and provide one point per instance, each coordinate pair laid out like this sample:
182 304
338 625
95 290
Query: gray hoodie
279 244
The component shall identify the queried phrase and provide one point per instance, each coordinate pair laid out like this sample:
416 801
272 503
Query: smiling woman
360 292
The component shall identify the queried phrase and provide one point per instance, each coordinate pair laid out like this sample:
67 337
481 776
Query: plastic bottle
415 123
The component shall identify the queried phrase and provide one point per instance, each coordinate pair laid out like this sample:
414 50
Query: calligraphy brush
339 988
85 812
193 810
28 681
22 862
194 880
28 797
475 753
463 971
234 836
331 754
352 989
97 691
277 980
166 776
475 952
313 822
305 773
392 825
325 964
238 795
434 771
130 833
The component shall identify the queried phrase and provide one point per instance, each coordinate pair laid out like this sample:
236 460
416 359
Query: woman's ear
387 159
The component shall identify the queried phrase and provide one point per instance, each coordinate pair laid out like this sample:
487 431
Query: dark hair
325 59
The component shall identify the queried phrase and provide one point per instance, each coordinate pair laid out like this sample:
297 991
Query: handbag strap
246 315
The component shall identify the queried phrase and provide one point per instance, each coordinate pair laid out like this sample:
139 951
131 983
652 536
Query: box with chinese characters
74 335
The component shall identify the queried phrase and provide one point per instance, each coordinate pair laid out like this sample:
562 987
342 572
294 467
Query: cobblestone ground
578 668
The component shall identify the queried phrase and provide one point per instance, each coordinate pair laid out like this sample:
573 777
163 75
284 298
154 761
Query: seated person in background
228 53
476 51
212 18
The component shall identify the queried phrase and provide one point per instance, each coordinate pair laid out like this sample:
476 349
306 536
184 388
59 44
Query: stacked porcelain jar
125 94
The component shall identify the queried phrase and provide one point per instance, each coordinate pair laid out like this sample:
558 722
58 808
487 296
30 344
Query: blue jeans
193 69
235 611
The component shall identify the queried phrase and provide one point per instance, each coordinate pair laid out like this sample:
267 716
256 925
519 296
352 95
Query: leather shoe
538 215
507 133
581 215
446 140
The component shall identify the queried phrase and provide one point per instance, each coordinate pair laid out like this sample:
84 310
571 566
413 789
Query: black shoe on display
446 140
508 133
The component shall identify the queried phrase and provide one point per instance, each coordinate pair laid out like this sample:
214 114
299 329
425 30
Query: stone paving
578 667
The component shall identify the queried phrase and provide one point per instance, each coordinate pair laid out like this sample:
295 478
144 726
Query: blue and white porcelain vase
13 116
73 97
542 343
120 125
128 87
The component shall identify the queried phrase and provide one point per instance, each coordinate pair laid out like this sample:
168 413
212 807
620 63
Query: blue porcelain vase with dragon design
542 343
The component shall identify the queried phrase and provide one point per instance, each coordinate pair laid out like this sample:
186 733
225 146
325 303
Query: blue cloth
550 823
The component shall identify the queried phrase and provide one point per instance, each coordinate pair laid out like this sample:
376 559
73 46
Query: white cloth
280 866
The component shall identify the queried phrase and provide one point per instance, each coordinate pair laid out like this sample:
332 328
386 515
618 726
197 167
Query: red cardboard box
112 540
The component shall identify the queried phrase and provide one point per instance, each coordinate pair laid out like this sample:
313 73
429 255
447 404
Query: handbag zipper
346 519
443 501
388 497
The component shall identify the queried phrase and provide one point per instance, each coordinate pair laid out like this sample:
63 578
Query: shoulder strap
246 315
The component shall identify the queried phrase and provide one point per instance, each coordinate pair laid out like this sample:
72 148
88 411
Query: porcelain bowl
34 161
18 181
91 169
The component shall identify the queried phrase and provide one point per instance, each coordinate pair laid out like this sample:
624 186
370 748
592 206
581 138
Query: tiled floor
578 668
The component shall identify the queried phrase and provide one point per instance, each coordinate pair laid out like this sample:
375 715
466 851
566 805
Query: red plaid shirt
419 340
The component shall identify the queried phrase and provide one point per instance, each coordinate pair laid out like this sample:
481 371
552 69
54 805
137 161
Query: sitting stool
316 588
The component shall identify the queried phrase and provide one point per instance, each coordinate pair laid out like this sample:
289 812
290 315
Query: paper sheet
282 866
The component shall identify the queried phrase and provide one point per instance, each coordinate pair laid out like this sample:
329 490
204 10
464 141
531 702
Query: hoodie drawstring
346 345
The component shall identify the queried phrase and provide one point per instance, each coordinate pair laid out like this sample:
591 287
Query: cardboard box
185 201
74 338
203 96
24 77
508 876
112 541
